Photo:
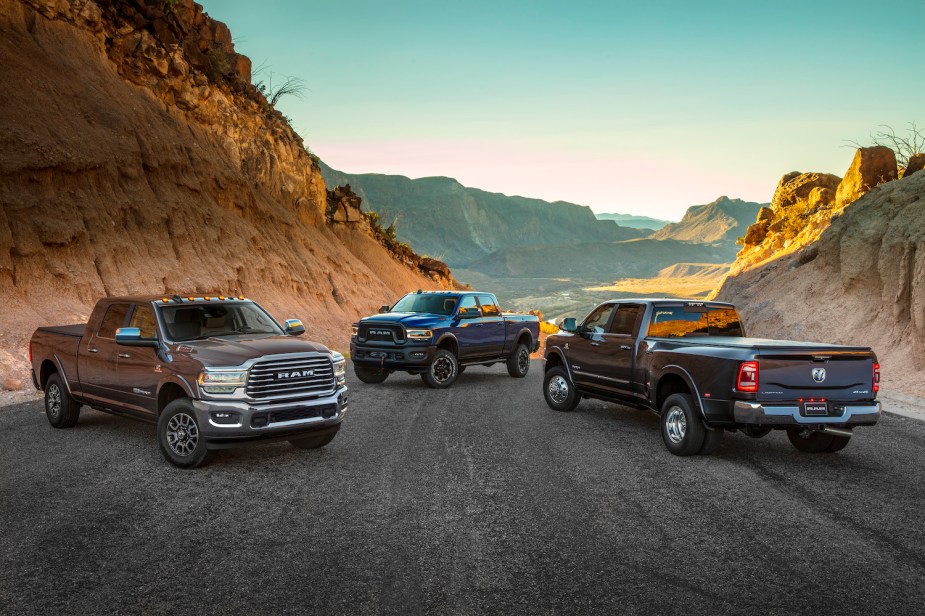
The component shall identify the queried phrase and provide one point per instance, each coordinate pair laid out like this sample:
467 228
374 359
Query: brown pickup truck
211 372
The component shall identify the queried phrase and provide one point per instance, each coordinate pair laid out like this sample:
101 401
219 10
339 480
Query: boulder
765 213
433 265
821 198
795 187
916 163
870 167
12 384
343 205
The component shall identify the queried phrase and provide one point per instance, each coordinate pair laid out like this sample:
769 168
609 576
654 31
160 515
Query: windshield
683 322
195 322
432 303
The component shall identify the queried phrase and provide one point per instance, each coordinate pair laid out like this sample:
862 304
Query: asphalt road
474 500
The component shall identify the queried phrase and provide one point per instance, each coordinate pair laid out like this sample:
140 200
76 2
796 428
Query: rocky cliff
841 260
460 225
136 157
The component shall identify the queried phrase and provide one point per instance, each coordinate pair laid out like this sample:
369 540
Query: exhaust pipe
837 431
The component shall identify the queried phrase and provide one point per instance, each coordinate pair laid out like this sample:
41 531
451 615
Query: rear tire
838 443
711 441
373 376
460 369
442 371
518 364
313 442
60 408
682 429
559 391
809 441
179 436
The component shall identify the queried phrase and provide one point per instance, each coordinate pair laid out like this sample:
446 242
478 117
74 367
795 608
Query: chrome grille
296 376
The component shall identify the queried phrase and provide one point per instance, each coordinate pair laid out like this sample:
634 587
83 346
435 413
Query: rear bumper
414 358
246 422
867 413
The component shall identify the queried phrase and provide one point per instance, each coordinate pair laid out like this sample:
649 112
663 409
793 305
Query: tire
460 369
313 442
60 408
442 371
373 376
809 442
838 443
518 364
711 441
179 436
682 428
559 391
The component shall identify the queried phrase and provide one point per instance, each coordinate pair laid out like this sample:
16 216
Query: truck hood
234 351
408 319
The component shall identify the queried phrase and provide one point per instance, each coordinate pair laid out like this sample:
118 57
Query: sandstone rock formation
343 205
870 167
130 164
916 163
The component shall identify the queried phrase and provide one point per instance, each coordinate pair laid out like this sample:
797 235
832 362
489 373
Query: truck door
584 349
97 356
493 329
470 332
139 367
617 355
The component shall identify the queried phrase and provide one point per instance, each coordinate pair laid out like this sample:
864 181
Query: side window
467 304
489 307
143 319
597 320
626 319
113 320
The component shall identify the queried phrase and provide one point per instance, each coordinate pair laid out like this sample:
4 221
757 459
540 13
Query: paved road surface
474 500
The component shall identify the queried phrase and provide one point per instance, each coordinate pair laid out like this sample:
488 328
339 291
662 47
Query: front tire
809 441
442 371
373 376
313 442
179 436
518 364
559 390
60 408
682 429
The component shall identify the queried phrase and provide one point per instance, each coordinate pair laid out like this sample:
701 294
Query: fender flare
60 368
448 336
526 330
563 358
175 379
689 380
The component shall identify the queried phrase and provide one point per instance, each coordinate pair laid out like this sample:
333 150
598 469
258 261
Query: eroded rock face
343 205
871 167
796 187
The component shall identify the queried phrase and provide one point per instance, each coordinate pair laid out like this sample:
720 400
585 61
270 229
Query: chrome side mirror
294 327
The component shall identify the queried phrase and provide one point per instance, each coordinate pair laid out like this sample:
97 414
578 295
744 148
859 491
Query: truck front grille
375 332
298 376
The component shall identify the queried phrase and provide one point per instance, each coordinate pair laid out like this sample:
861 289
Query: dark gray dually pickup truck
212 372
690 362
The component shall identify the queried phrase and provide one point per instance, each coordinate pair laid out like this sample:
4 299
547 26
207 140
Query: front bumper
411 357
230 423
856 414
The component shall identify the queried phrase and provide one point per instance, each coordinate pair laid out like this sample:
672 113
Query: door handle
125 355
94 350
626 347
595 344
478 324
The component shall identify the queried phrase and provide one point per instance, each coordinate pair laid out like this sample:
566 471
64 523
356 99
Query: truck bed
760 344
76 330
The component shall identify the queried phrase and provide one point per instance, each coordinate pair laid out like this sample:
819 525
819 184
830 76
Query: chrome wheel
676 424
442 369
523 360
558 389
53 400
182 434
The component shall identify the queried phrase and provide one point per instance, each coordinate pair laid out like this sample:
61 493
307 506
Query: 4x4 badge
818 374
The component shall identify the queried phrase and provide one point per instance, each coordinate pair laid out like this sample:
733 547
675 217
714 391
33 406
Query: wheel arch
448 341
525 336
675 380
170 390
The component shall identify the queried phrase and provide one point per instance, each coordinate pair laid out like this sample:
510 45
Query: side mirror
294 327
469 313
384 309
131 336
569 325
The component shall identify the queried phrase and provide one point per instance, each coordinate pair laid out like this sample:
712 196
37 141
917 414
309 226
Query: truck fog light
225 417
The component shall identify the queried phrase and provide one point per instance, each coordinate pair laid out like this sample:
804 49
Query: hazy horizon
622 107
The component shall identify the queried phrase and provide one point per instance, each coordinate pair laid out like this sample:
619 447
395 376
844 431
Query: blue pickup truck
438 334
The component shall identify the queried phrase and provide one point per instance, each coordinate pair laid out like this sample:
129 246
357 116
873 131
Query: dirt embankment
136 157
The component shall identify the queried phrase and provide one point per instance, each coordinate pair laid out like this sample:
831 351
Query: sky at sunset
642 107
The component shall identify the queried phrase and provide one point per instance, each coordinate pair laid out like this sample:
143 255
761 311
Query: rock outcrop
870 167
128 164
916 163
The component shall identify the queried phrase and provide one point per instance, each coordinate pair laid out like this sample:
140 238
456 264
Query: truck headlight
222 381
353 331
420 334
340 368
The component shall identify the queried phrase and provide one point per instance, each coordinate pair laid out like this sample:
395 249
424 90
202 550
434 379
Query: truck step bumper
756 413
406 358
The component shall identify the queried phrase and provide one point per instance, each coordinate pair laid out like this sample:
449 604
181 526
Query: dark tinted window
431 303
597 321
143 319
489 307
113 320
680 322
625 319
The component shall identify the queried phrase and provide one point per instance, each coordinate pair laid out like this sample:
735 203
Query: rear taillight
876 387
748 377
30 351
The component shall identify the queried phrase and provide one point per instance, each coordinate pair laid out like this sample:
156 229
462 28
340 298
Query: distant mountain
440 217
723 221
634 221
